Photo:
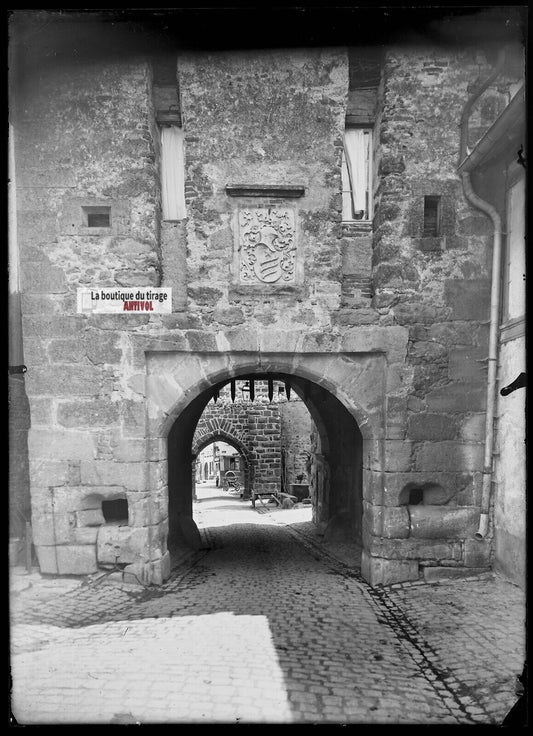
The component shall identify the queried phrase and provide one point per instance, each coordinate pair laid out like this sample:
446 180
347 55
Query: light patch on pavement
216 508
112 673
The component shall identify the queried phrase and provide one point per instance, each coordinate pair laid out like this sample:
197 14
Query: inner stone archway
217 434
336 460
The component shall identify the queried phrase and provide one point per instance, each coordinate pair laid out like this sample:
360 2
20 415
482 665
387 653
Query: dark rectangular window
115 510
97 216
431 217
98 220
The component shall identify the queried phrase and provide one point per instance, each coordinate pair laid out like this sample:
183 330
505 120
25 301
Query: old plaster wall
510 529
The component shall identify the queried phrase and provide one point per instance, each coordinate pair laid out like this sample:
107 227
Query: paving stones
267 626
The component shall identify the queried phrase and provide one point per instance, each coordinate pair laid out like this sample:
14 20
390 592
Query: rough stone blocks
380 571
442 522
47 559
105 472
76 560
432 574
391 455
426 427
126 545
49 528
477 553
90 517
448 456
152 573
159 571
393 520
413 548
68 445
469 299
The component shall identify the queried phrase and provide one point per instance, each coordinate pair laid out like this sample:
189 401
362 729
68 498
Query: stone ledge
432 574
238 291
265 190
356 227
380 571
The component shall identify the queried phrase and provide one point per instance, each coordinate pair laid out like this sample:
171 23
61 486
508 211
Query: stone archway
214 433
336 469
352 385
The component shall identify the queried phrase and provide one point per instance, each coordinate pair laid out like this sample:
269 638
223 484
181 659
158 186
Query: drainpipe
489 210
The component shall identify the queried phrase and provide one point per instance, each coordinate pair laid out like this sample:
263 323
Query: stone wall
263 118
390 324
296 430
93 147
438 288
263 431
256 428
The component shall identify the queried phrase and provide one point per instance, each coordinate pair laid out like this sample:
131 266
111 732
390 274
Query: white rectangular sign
125 300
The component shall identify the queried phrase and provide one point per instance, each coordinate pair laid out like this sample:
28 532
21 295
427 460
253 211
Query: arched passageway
335 469
219 435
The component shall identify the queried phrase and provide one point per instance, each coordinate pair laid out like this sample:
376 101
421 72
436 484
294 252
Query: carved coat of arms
267 245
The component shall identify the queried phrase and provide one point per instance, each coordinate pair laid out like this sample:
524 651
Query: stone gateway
356 268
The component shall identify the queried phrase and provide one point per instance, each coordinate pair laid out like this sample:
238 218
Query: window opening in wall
172 173
416 496
357 174
514 302
168 117
96 216
431 217
116 510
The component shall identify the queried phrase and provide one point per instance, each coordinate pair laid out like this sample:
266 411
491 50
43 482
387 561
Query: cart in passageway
231 481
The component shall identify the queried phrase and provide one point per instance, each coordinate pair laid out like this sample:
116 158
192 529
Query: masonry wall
437 287
257 429
264 431
93 146
268 118
296 429
355 300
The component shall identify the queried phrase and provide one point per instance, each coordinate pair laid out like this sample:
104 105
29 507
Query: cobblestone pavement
268 624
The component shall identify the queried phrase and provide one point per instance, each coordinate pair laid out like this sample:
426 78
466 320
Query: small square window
96 216
115 511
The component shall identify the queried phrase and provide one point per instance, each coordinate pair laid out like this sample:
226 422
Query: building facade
307 208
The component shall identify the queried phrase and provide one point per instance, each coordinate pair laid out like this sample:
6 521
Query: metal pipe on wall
495 295
488 209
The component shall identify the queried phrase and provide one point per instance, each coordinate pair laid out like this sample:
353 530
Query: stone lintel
265 190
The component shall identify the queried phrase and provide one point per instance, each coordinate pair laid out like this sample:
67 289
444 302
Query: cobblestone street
266 624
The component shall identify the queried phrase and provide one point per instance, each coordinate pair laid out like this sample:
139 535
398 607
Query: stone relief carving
267 245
